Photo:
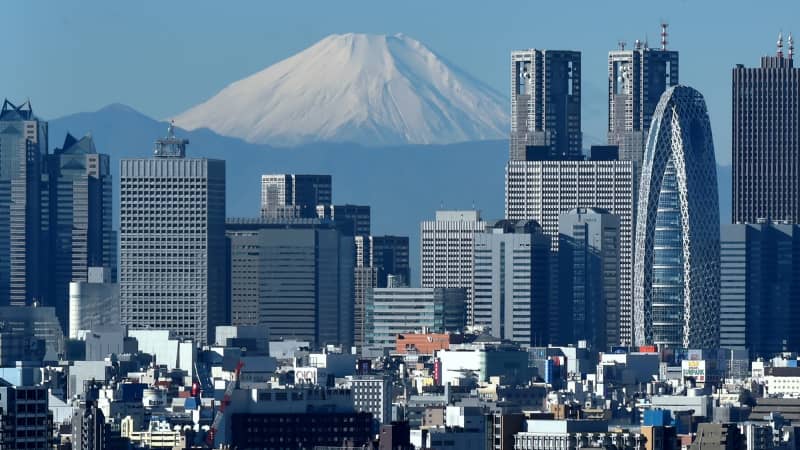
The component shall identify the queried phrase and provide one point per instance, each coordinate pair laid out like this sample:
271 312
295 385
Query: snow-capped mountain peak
367 89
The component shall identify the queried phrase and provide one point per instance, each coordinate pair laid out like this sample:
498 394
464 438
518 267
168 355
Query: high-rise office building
397 309
172 242
365 278
636 79
295 276
388 254
354 219
446 254
291 195
760 288
676 286
377 258
511 282
545 105
589 275
543 190
77 189
23 146
766 146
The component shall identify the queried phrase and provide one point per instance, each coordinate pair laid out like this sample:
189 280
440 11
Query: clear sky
162 57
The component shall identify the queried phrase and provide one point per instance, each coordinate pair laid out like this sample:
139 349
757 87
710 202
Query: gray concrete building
760 288
511 282
293 275
172 242
545 105
589 277
373 394
765 144
77 192
447 245
23 145
93 303
294 195
543 190
364 280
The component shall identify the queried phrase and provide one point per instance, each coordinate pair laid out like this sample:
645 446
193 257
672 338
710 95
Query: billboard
694 369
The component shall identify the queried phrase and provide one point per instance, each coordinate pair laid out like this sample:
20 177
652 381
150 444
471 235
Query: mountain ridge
372 90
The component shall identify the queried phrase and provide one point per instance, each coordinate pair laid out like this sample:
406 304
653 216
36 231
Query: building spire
664 26
791 46
780 45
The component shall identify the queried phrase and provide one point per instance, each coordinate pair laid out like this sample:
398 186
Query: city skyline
596 295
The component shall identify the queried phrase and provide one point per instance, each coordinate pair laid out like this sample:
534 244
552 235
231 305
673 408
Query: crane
226 399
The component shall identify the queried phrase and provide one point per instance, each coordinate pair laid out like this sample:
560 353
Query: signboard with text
694 369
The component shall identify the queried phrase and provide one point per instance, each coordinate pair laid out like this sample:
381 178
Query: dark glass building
760 288
77 190
545 105
589 277
766 140
23 146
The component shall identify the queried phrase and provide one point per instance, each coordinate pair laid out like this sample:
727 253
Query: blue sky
162 57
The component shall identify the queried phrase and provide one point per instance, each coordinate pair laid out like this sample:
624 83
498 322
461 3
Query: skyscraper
355 218
290 195
545 104
636 79
295 276
172 242
760 288
511 285
543 190
676 286
377 258
77 186
23 145
387 254
766 145
589 274
447 245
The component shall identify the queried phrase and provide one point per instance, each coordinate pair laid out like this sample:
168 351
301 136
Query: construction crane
226 399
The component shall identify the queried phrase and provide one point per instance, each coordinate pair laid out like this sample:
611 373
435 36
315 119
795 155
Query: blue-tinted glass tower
676 284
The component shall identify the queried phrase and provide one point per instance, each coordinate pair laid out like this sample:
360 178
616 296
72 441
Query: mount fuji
373 90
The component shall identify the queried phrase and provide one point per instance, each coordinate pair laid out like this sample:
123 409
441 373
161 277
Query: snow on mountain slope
367 89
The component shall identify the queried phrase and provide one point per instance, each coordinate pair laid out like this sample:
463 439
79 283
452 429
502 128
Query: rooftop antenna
791 46
621 45
664 26
780 45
